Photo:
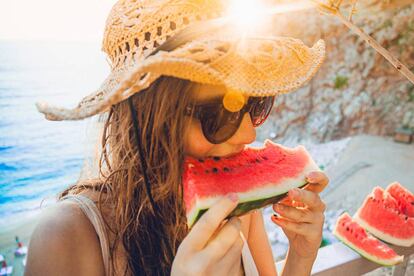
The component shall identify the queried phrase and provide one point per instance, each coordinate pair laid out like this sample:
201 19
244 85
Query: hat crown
134 28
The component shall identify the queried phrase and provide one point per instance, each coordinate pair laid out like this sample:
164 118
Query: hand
212 247
301 216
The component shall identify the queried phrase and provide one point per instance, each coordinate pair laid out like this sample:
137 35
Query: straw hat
190 39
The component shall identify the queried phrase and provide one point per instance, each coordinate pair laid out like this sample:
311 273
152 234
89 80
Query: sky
54 20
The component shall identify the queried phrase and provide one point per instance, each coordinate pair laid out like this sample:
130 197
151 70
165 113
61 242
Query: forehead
208 92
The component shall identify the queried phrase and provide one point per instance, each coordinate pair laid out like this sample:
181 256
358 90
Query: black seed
201 160
226 169
215 170
258 160
216 158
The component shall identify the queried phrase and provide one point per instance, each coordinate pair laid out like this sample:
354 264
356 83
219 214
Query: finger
289 202
301 228
205 227
310 199
225 239
231 260
317 181
295 214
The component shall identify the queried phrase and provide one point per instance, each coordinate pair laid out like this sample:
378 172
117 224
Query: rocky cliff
356 90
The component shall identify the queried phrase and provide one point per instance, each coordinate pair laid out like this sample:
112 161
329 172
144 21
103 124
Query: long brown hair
146 235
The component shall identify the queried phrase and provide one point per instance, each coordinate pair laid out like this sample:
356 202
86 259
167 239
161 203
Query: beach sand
23 229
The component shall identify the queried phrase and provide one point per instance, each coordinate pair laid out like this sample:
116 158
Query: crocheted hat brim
255 67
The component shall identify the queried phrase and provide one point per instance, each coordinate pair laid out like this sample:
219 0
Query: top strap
93 214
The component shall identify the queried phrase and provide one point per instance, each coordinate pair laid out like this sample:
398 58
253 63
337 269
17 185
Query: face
195 143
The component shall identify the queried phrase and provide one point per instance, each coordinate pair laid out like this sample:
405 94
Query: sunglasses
219 124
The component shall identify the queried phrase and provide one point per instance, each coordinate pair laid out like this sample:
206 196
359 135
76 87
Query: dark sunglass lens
261 107
220 125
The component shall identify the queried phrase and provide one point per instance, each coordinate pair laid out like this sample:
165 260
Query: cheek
195 143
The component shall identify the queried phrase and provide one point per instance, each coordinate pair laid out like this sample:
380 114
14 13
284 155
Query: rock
376 98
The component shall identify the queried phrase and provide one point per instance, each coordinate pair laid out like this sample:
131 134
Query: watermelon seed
347 228
216 158
201 160
412 203
257 160
207 171
226 169
265 158
406 218
215 170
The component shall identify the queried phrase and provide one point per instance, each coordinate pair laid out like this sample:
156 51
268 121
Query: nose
246 133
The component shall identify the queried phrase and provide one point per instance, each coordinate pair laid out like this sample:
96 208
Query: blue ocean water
39 158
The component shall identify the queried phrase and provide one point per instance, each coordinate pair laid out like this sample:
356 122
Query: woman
170 58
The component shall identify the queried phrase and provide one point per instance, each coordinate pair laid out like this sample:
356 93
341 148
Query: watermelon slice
259 176
354 236
404 198
380 215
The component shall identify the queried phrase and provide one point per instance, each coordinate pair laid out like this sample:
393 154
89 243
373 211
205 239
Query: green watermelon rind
398 259
247 205
381 235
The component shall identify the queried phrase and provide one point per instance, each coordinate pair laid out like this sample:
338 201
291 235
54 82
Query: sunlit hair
122 197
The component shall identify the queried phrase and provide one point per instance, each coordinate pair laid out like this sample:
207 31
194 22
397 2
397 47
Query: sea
40 158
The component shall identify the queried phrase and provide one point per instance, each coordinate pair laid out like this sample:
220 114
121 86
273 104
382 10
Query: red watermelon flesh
404 198
259 176
381 216
353 235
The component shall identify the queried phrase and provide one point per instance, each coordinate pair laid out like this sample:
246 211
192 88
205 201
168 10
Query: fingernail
233 197
311 176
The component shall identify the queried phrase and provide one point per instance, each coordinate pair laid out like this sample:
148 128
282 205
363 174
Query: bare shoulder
64 242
